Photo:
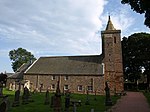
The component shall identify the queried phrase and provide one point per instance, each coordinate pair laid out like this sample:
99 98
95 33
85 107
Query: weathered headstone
67 101
25 96
30 99
108 101
92 110
74 107
3 105
95 96
47 99
16 99
52 101
87 98
57 99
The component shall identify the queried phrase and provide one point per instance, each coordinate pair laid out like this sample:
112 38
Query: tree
140 6
136 56
3 79
19 57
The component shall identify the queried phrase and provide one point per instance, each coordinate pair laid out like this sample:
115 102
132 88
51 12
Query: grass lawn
38 104
147 95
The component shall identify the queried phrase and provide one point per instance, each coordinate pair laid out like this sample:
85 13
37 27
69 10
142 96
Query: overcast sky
61 27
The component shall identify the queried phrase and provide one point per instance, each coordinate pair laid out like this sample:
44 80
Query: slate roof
20 72
71 65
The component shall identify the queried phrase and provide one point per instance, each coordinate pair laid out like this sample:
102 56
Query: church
78 74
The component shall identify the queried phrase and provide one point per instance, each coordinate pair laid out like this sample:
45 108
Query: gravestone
52 101
92 110
3 105
47 98
67 102
95 96
16 99
87 98
74 107
57 99
108 101
25 96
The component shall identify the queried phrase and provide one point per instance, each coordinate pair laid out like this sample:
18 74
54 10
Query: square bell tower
112 52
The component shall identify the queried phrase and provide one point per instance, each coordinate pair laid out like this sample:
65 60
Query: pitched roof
20 72
71 65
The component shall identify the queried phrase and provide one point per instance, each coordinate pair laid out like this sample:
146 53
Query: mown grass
38 104
147 95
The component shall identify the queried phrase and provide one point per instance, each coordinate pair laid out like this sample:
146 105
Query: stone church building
81 73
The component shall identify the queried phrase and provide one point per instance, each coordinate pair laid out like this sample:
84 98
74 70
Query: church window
114 39
53 86
66 77
66 87
90 88
53 77
80 87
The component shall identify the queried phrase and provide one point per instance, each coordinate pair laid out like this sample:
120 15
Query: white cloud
62 26
121 19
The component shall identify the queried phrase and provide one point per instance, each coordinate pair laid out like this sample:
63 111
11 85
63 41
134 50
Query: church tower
112 52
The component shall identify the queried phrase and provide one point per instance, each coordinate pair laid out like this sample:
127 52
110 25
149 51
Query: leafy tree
19 57
3 79
136 56
140 6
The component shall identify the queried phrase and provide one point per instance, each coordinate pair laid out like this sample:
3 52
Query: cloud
52 27
121 19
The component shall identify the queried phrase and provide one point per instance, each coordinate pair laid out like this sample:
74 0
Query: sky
61 27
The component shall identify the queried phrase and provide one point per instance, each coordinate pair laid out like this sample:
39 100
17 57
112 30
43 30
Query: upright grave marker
67 101
108 101
47 99
16 99
57 99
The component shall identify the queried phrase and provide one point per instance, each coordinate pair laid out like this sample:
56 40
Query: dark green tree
19 57
3 79
136 56
140 6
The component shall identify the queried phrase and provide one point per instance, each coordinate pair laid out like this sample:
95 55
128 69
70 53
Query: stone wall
73 82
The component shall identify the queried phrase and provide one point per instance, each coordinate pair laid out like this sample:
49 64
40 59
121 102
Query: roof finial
109 24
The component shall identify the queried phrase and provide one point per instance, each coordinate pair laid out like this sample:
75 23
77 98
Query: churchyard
43 103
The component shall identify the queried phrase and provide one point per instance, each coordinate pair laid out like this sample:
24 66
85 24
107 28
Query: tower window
114 39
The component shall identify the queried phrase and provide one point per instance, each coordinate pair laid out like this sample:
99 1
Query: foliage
147 95
136 56
140 6
19 57
38 104
3 78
